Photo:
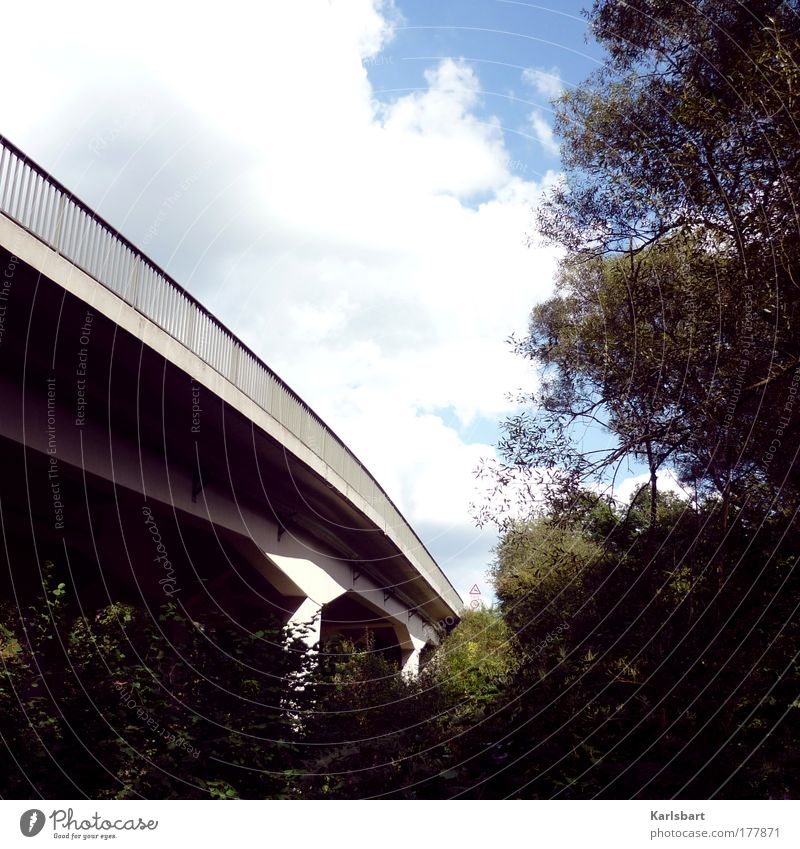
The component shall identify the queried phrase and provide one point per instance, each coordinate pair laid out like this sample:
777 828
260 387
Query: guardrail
43 206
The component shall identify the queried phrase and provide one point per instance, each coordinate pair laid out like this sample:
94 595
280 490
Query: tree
675 324
691 123
673 332
639 676
475 660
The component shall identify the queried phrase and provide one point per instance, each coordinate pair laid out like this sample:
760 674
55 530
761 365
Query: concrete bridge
144 444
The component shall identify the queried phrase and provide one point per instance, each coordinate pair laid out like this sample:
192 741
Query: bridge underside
155 487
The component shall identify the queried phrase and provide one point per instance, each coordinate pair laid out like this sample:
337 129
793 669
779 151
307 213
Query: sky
349 185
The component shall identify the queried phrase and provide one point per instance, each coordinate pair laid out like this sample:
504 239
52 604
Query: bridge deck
70 230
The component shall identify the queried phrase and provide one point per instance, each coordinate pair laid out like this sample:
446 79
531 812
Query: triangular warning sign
474 590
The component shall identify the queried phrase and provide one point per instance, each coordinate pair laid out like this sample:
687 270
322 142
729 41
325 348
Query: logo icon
31 822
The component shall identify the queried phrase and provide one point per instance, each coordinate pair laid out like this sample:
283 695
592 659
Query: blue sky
503 38
348 184
500 40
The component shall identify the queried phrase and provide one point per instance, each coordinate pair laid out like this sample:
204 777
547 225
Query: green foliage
636 670
372 730
124 702
539 574
475 660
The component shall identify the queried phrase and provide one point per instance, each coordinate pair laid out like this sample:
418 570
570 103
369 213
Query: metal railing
43 206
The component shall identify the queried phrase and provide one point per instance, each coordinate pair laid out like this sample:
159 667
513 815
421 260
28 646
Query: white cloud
666 480
544 133
545 82
373 254
548 84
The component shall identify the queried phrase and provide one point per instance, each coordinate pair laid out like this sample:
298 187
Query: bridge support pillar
410 657
306 622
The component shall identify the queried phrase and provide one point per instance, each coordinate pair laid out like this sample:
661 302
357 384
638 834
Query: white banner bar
358 825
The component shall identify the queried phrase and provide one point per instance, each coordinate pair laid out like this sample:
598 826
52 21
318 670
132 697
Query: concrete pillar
410 657
306 622
300 577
